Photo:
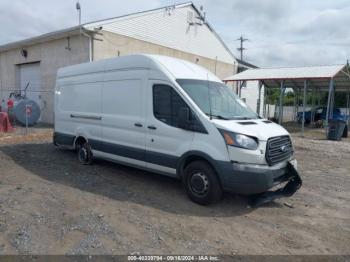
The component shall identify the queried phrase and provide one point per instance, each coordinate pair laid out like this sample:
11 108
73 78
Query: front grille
278 149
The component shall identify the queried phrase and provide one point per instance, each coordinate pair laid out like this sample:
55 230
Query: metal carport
329 78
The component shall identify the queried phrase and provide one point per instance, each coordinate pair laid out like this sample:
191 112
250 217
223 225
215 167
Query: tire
201 183
84 153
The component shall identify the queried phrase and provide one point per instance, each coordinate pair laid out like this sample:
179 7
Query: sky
280 32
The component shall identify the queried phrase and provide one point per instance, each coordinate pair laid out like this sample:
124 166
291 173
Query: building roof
41 38
245 64
153 26
317 76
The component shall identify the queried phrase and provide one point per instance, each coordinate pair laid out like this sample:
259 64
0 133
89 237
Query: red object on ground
5 125
10 103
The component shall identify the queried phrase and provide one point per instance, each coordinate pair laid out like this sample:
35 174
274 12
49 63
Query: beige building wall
114 45
51 55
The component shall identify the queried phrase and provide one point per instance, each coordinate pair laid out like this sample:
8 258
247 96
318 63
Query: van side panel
123 116
78 106
122 109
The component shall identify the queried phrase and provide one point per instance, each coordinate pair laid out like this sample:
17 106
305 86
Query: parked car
174 118
320 114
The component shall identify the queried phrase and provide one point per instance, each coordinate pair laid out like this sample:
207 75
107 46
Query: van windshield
216 99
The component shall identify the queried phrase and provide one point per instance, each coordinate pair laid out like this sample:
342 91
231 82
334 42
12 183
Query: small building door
29 74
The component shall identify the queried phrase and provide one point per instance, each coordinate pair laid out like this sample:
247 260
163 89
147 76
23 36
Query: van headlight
239 140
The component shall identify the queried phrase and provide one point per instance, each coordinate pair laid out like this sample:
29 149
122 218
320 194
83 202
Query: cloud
329 23
281 32
284 32
27 18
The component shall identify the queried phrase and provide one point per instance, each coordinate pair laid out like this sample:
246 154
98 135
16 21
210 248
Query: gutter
90 34
82 31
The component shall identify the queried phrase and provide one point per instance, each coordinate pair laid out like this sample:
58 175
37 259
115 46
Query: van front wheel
201 183
84 154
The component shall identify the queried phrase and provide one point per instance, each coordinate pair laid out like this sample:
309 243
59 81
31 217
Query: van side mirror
183 119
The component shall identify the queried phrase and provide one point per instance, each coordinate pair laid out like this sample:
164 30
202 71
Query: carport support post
280 112
294 105
304 102
331 108
258 102
348 108
313 93
264 101
329 103
297 103
240 89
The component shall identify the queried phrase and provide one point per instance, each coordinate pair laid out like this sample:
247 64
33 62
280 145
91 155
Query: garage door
29 74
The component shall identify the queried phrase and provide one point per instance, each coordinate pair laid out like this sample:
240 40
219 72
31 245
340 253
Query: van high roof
177 68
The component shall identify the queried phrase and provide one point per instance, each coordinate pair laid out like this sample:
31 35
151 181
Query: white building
178 31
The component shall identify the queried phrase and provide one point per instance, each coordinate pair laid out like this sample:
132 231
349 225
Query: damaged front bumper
256 180
292 186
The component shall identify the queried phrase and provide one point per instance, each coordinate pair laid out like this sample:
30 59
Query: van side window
166 104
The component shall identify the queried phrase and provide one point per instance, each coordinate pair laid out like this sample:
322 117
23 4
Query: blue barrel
336 129
27 107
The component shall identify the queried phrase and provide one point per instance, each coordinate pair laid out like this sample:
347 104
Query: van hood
254 127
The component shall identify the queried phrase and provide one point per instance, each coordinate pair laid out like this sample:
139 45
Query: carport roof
293 77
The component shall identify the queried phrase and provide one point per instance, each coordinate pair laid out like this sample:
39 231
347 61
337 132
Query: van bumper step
292 186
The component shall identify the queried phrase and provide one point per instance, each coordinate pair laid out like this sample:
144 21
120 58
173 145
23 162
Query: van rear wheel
201 183
84 153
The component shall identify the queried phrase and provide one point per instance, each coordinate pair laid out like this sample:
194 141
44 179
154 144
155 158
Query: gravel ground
50 204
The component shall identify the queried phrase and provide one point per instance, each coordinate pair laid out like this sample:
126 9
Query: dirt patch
21 135
50 204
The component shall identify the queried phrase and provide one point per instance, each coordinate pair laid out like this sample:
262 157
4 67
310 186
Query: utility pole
78 7
241 48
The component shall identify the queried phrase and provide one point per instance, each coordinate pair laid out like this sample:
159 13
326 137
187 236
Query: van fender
219 166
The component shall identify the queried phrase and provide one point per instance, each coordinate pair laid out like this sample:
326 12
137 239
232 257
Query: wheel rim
199 183
83 155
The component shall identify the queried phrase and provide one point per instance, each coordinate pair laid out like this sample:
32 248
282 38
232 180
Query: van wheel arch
190 157
79 141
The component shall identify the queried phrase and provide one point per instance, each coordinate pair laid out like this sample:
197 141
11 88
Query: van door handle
138 125
86 117
152 127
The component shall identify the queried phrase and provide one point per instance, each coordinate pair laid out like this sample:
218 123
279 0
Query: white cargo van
175 118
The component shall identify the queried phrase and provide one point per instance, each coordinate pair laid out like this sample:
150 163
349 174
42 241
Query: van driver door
165 142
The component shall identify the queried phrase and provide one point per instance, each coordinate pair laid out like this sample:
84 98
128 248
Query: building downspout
90 38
